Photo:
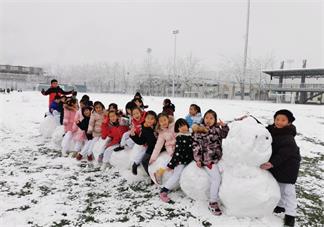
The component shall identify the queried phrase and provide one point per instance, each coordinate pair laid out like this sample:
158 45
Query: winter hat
287 113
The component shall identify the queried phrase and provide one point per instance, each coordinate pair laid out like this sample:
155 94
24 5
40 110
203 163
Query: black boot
119 148
134 168
279 210
289 220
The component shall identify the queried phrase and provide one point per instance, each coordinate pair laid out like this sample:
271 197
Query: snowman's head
247 143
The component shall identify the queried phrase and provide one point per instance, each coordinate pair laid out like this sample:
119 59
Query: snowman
245 190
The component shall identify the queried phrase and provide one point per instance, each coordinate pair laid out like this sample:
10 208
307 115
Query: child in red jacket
138 117
115 130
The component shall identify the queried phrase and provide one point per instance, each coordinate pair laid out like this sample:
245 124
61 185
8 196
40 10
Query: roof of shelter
290 73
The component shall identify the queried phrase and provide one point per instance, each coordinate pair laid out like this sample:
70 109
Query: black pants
145 162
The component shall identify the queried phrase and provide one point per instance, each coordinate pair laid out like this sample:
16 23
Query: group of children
194 137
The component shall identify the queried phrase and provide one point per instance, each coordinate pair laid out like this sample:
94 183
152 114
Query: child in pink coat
167 136
79 136
94 128
70 109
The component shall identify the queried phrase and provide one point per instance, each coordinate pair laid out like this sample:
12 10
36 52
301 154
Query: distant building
20 77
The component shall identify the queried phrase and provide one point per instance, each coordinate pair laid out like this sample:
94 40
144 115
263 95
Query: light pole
148 51
174 32
245 49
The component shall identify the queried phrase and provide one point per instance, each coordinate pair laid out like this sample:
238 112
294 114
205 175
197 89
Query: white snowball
47 126
248 191
68 141
137 153
99 147
121 159
161 162
247 142
57 135
194 182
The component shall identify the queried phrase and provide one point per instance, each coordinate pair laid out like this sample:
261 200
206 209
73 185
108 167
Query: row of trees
129 77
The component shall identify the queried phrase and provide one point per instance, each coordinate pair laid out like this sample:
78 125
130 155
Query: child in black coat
83 125
146 139
284 162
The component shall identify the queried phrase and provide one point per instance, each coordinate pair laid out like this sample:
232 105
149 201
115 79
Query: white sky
73 32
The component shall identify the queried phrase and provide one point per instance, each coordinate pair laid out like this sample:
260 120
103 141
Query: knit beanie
287 113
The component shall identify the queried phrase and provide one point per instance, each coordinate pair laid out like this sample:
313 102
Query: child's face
150 121
209 120
281 121
136 114
192 111
54 84
57 100
129 111
81 105
164 122
138 103
113 117
87 113
98 108
183 129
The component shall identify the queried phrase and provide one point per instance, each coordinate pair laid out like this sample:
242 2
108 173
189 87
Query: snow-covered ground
38 187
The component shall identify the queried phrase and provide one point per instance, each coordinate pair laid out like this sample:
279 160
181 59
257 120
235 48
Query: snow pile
48 126
57 135
121 159
194 182
125 158
246 190
99 147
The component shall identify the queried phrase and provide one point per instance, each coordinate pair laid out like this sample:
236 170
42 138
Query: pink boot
164 197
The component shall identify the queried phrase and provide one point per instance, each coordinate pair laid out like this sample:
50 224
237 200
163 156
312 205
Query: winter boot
289 220
120 148
79 157
279 210
100 158
164 197
214 208
134 168
90 158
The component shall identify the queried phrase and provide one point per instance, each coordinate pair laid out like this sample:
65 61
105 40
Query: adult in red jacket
55 90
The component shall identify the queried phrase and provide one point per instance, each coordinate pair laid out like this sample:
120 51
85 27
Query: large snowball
194 182
99 147
57 135
161 162
68 141
248 191
48 126
121 159
247 142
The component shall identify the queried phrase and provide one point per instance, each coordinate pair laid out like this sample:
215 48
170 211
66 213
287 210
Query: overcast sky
73 32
